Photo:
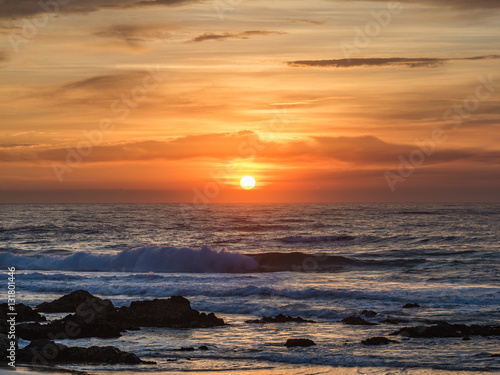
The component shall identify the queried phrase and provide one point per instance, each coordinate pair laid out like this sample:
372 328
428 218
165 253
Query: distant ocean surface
445 257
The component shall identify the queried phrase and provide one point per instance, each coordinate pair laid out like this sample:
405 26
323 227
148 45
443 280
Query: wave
182 260
144 259
301 239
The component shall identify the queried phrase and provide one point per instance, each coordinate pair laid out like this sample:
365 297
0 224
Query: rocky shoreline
91 316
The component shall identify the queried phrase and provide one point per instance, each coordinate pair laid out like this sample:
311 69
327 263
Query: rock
24 313
67 303
203 347
36 353
466 338
186 349
411 306
377 341
299 342
357 321
5 346
175 312
280 319
394 321
369 313
68 328
449 330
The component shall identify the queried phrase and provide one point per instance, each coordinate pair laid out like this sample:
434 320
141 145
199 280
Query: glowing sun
247 182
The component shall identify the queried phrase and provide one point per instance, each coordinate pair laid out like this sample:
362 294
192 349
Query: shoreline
282 370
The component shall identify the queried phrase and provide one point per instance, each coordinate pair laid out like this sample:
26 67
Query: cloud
391 61
27 8
455 4
134 35
362 151
306 21
224 36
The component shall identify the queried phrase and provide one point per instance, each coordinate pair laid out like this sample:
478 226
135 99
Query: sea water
445 257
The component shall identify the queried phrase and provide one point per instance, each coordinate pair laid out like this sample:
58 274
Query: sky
320 101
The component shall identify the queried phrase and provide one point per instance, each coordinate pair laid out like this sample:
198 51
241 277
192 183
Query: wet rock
394 321
186 349
67 303
449 330
24 313
68 328
5 346
43 352
203 347
299 342
357 321
377 341
175 312
466 338
411 306
280 319
369 313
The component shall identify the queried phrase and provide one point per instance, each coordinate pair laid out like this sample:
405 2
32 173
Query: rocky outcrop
449 330
374 341
23 313
280 318
357 321
6 347
411 306
43 352
68 303
174 312
96 317
299 342
68 328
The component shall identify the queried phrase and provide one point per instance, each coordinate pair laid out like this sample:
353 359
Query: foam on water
144 259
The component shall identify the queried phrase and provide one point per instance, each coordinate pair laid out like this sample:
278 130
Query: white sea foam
144 259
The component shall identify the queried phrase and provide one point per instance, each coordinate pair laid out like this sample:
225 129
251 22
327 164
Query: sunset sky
320 101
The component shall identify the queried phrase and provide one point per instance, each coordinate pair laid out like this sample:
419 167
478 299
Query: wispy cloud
134 35
25 8
224 36
361 151
306 21
422 62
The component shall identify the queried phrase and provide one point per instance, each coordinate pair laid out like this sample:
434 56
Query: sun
247 182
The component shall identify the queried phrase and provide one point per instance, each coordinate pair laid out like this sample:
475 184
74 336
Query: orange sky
320 101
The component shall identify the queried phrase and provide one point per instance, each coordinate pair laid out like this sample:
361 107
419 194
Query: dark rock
175 312
466 338
186 349
24 313
67 303
369 313
5 346
203 347
42 352
280 319
449 330
68 328
394 321
411 306
377 341
357 321
299 342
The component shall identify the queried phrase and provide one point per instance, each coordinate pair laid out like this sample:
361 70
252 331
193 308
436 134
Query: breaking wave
143 259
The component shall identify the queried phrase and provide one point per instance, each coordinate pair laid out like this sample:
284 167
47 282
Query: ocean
240 261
